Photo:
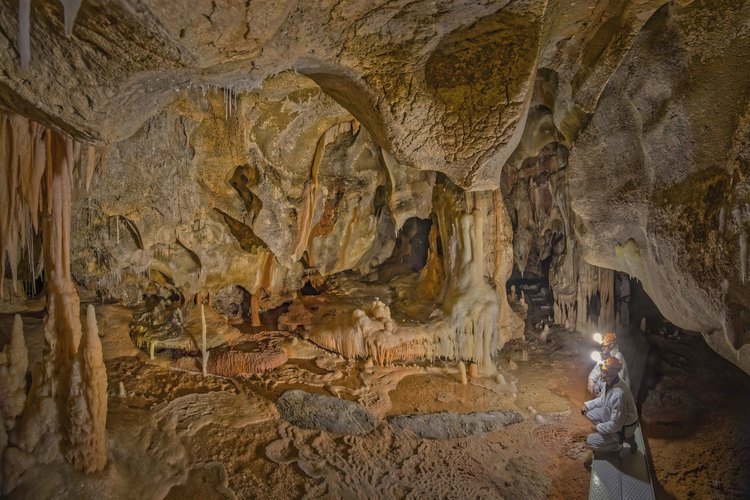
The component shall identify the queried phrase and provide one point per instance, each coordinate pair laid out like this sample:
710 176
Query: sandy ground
176 434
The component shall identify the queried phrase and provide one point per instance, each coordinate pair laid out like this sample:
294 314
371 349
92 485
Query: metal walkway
623 475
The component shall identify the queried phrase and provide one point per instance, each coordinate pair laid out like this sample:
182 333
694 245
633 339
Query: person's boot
633 444
588 459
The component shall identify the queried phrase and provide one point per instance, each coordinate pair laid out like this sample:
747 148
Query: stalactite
70 11
471 305
595 284
564 310
743 256
24 31
312 201
607 299
429 281
346 238
254 310
90 165
65 412
22 164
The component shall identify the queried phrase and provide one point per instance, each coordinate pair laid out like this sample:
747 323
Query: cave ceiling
644 105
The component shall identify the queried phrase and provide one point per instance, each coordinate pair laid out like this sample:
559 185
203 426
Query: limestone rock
314 411
14 361
659 163
449 425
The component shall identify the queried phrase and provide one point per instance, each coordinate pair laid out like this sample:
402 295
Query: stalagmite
87 404
65 412
462 373
14 362
545 334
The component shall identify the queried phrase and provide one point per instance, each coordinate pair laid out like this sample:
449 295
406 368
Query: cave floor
176 434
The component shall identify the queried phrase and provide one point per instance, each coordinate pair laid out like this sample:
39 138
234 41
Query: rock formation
87 402
151 151
65 412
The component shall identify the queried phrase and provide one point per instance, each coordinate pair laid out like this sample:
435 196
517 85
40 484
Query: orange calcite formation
233 362
66 409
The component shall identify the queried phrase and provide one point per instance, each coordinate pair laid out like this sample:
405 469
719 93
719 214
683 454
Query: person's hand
594 428
583 409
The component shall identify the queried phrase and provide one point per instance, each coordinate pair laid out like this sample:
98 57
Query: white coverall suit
612 411
595 385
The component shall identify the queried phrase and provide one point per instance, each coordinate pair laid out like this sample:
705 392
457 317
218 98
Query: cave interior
291 249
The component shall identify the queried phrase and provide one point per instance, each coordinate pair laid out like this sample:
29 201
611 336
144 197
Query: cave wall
632 116
200 199
658 179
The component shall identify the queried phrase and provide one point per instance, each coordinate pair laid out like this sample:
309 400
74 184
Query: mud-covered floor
178 434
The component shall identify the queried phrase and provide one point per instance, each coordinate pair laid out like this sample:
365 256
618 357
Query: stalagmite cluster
66 408
372 333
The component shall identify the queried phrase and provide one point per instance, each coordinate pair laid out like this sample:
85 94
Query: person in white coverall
609 348
613 414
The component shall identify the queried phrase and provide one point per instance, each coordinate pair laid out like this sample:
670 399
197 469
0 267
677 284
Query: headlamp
597 338
596 356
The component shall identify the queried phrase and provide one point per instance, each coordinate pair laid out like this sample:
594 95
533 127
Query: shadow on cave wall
410 252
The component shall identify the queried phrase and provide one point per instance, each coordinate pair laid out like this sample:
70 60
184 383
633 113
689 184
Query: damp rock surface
315 411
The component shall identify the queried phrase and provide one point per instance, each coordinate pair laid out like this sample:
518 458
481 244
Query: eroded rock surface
315 411
449 425
658 180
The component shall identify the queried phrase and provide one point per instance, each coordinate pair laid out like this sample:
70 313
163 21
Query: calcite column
65 411
476 237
